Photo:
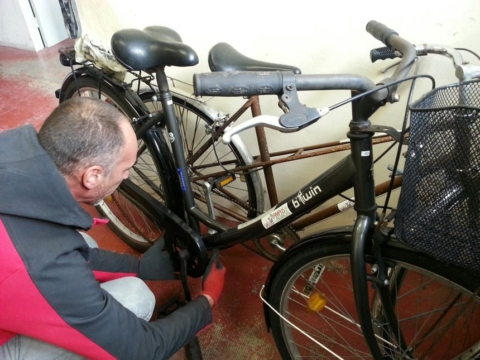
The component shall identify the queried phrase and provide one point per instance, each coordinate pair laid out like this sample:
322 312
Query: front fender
338 233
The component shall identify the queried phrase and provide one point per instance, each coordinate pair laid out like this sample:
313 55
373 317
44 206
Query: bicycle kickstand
193 350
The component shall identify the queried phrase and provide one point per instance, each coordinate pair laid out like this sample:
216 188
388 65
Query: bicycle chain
142 233
244 244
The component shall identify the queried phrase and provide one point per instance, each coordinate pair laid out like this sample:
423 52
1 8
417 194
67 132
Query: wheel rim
421 301
125 216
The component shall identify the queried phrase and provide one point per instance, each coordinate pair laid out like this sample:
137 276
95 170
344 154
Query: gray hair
83 132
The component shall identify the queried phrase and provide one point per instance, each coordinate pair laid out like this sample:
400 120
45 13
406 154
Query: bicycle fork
364 190
363 230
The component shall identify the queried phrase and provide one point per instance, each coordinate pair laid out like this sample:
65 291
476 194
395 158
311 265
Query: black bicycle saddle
223 57
151 48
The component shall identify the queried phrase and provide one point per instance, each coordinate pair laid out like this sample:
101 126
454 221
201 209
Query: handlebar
463 71
281 83
421 50
286 84
249 83
380 32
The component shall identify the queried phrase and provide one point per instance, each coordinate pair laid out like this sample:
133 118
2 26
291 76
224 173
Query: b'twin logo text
303 198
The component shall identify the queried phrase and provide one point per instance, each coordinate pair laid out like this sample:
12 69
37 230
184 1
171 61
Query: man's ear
92 177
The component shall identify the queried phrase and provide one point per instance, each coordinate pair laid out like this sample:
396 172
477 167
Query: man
52 305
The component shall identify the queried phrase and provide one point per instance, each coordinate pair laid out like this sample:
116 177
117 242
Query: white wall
16 28
50 21
317 36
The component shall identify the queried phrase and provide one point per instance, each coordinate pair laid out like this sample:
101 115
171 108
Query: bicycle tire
234 203
426 292
126 219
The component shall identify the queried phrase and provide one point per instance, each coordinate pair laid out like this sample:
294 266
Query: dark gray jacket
48 287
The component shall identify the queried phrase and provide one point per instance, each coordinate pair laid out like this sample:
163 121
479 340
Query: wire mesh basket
439 205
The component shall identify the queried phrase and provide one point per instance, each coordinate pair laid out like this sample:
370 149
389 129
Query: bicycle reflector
317 302
224 180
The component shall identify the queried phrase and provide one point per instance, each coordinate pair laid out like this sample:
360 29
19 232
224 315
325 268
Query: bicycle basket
439 206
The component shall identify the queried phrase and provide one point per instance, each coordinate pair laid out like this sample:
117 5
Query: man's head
92 144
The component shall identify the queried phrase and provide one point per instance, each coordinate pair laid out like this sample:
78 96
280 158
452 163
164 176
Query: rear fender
123 91
213 114
60 93
334 234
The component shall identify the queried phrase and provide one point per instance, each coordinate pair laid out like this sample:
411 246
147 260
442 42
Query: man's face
127 158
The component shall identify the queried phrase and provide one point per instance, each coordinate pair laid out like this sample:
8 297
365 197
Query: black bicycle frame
354 169
330 183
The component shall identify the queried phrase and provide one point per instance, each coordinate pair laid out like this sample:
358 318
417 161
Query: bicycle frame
337 179
330 183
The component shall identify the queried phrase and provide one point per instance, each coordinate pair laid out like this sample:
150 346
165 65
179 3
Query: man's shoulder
19 143
24 130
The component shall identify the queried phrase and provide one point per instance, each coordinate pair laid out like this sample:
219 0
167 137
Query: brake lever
269 121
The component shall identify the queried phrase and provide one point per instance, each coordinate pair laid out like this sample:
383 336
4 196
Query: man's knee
133 294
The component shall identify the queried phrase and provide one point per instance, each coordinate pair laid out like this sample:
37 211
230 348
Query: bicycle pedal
169 307
224 180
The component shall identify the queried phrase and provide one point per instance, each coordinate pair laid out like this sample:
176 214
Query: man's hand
156 264
214 278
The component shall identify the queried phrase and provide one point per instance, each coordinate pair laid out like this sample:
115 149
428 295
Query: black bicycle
225 178
357 292
404 293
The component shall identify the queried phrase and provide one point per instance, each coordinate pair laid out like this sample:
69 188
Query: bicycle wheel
126 219
238 200
437 306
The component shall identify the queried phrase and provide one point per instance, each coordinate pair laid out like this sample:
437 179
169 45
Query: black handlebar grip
238 83
380 31
382 53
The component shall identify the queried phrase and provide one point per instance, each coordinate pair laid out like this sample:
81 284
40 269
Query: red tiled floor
27 84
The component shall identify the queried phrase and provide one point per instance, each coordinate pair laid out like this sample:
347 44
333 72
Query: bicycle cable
356 97
470 51
399 151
